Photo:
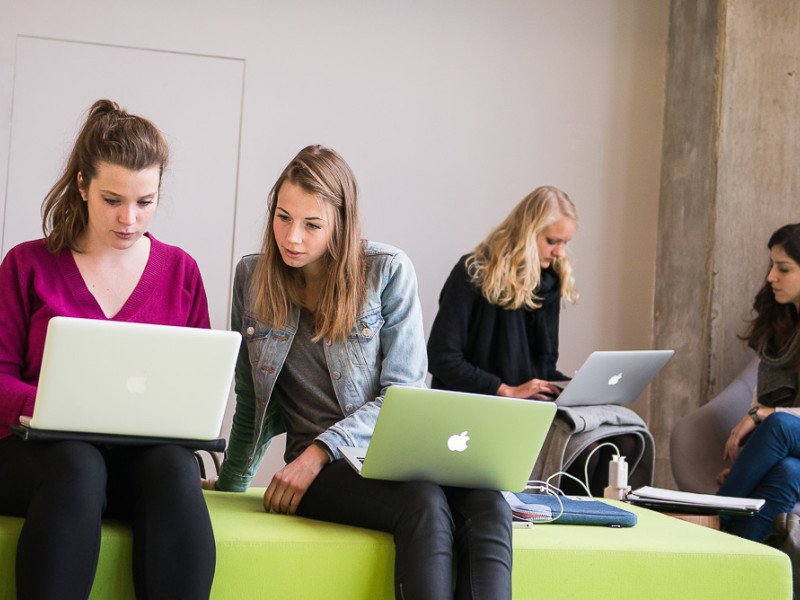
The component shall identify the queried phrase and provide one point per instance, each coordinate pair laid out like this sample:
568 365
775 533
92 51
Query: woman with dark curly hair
765 444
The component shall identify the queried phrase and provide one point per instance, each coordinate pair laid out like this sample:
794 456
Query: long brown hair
275 286
109 135
506 267
775 323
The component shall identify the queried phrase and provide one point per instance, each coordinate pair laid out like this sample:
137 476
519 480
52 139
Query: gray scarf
777 384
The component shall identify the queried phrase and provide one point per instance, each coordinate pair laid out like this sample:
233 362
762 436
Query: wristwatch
753 412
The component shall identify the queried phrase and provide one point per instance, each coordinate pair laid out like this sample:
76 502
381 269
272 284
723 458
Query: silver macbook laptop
134 379
455 439
613 377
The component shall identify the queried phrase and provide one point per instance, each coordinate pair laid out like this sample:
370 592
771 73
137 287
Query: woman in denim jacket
328 323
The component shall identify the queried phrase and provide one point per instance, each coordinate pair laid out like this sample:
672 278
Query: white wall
448 111
43 133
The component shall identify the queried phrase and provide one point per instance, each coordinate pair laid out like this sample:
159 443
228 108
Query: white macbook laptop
613 377
133 379
455 439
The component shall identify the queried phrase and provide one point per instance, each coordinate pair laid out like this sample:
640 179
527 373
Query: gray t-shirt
305 391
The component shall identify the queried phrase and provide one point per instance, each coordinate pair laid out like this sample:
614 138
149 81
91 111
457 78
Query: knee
75 473
425 504
779 422
486 506
168 466
787 473
420 495
77 463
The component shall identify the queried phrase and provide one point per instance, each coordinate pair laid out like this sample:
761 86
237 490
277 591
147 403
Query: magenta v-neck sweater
36 286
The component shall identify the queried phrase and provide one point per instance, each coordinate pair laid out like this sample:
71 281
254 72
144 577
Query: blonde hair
109 135
275 286
505 266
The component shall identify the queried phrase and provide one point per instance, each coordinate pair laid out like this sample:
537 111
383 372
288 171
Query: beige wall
449 112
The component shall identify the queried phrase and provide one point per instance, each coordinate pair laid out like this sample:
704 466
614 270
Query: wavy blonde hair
505 266
275 286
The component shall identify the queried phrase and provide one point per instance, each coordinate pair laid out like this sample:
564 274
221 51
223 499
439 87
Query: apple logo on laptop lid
615 379
458 442
137 384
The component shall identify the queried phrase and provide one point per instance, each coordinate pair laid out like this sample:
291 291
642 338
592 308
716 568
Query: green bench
263 555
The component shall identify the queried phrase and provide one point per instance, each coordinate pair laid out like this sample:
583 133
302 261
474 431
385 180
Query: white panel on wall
195 100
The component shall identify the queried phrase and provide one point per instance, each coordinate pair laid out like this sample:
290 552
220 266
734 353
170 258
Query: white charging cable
618 487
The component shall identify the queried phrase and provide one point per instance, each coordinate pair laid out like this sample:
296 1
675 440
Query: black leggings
64 489
430 525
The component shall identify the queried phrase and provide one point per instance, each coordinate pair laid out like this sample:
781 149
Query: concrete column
730 176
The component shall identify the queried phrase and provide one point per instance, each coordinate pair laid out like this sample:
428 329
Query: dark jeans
429 524
64 489
768 466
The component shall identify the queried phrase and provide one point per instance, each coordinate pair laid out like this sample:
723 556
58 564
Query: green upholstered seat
274 556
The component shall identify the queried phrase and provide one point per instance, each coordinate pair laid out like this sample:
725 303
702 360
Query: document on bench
690 502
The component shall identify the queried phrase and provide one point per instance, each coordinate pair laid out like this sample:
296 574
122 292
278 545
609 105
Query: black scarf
777 382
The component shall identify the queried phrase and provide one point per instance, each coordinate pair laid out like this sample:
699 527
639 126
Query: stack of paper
661 499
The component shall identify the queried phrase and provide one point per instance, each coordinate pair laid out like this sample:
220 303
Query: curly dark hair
775 323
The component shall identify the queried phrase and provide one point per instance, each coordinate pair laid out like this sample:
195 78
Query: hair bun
105 107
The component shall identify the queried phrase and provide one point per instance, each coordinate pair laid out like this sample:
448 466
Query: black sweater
474 346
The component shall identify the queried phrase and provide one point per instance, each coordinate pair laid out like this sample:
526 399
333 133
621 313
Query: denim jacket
385 347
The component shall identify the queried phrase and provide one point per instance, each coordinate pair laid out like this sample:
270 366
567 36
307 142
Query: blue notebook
577 510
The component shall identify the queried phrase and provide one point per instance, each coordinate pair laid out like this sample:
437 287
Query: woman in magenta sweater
96 261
